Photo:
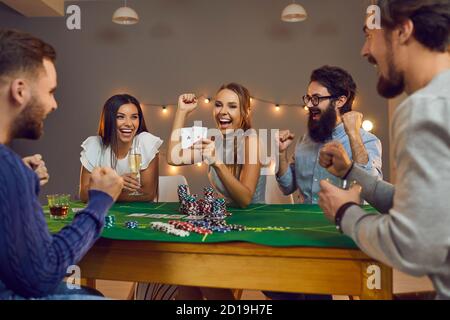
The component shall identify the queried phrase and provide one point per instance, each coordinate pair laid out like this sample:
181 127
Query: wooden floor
402 284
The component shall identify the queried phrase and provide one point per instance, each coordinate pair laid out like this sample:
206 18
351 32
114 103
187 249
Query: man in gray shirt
411 52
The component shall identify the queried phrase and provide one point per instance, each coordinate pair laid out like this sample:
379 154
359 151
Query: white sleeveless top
95 155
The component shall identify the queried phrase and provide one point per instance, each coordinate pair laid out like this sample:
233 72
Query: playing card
189 136
200 133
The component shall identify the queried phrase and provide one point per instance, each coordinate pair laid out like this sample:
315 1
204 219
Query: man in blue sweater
33 262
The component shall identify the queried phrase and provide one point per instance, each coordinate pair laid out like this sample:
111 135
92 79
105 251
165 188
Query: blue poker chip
131 224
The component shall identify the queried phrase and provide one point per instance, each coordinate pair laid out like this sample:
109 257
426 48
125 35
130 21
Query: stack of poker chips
110 221
187 226
131 224
169 229
209 206
188 202
218 225
219 209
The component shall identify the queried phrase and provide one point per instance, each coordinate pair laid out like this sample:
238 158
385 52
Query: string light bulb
367 125
277 107
173 169
164 109
199 164
207 100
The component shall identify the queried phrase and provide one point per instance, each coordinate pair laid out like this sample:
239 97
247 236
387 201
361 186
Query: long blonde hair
245 108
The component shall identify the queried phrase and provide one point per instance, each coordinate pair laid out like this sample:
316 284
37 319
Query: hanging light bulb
207 100
367 125
173 169
294 13
164 109
199 164
277 107
125 15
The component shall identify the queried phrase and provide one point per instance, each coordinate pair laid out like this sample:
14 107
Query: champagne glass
134 161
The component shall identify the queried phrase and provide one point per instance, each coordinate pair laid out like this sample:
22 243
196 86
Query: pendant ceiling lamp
294 13
125 15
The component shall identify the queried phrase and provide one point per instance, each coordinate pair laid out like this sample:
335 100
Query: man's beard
394 85
321 130
28 124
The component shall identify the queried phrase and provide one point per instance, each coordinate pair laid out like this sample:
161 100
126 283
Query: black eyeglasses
315 99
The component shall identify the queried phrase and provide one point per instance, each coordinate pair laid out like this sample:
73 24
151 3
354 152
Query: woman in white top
122 128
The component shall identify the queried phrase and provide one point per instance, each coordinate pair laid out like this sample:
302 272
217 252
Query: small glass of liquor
58 205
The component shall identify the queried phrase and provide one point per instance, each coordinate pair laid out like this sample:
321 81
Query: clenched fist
36 164
284 140
106 180
187 102
335 159
352 122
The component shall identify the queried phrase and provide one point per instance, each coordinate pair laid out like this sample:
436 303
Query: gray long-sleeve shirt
414 236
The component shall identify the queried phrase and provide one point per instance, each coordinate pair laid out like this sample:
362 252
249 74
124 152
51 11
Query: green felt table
272 225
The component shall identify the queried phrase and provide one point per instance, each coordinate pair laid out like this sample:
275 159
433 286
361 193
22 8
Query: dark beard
322 129
29 123
394 85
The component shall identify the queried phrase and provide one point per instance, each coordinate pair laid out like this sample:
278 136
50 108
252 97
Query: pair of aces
189 136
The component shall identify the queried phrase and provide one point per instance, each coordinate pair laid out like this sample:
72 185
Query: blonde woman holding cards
239 180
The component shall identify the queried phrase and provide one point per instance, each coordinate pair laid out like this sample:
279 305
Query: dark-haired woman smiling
122 129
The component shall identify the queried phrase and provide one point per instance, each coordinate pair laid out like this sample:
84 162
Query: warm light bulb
277 107
367 125
173 169
207 100
199 164
306 108
164 109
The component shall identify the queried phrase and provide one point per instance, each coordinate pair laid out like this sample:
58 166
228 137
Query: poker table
290 248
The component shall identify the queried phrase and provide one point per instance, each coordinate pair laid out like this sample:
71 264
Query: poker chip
110 221
131 224
187 226
169 229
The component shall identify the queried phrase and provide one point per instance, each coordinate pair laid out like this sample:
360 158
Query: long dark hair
107 127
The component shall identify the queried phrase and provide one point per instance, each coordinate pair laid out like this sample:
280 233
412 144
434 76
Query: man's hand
284 140
130 182
36 164
106 180
335 159
331 198
352 122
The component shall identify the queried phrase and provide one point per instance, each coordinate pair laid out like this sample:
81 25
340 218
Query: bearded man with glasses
331 93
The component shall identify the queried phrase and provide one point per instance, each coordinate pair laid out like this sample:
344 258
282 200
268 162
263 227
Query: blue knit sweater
33 262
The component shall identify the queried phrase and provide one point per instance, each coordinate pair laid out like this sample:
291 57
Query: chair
274 194
168 188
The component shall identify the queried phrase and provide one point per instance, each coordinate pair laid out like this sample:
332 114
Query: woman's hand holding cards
208 149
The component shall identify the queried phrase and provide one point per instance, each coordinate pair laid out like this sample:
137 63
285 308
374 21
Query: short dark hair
22 52
338 82
431 19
